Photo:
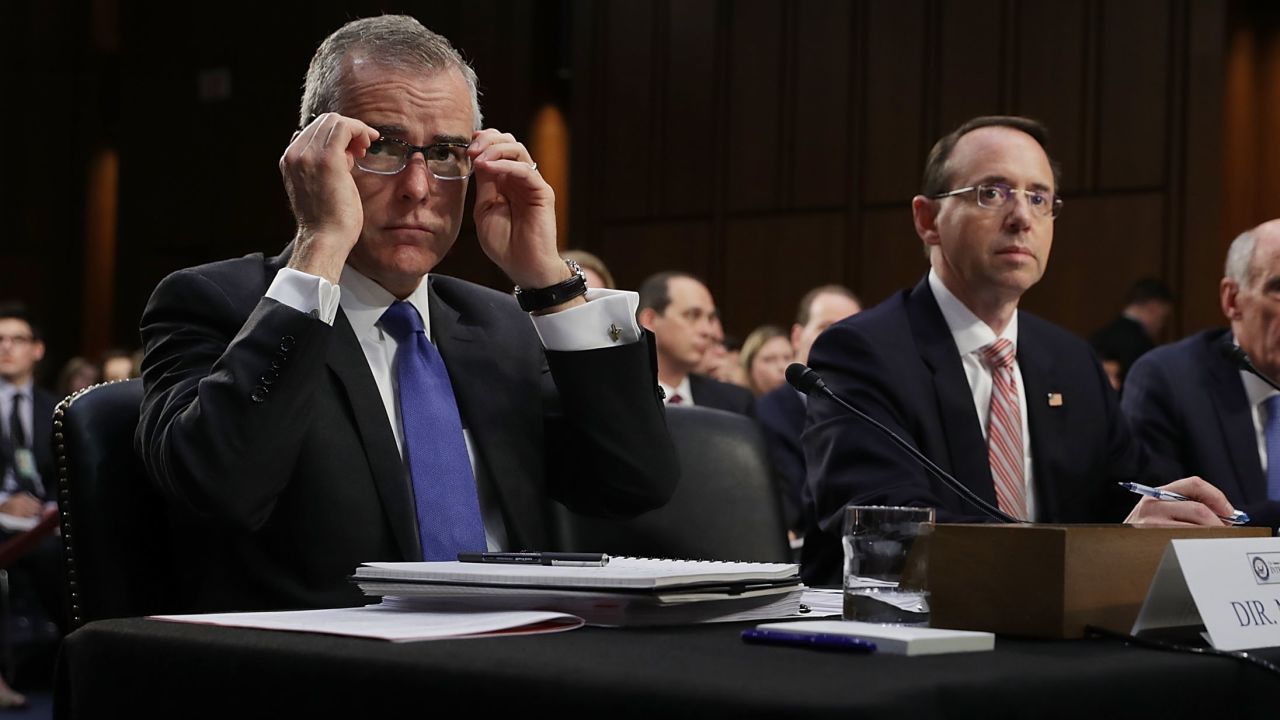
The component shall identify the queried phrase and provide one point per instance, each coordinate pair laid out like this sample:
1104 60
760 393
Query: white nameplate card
1231 586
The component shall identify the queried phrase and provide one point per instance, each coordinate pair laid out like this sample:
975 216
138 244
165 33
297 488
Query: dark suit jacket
781 414
898 363
1123 340
712 393
42 405
275 501
1188 406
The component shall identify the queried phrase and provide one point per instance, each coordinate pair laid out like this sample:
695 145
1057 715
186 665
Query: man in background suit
1197 411
1015 407
27 471
678 309
334 405
781 411
1134 332
26 463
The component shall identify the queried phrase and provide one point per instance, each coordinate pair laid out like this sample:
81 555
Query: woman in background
766 353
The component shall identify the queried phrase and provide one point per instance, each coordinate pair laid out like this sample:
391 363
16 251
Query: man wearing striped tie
1016 408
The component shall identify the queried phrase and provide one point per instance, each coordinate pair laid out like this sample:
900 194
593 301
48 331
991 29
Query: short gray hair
394 41
1240 258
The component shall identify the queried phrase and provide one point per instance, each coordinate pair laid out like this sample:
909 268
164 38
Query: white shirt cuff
607 319
306 293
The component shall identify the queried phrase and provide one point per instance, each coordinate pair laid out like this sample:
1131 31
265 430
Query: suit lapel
956 413
390 477
1235 421
1045 421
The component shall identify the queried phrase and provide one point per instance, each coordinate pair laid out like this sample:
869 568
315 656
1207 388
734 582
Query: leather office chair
113 520
726 506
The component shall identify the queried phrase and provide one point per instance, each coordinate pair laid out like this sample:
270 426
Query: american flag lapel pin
1055 399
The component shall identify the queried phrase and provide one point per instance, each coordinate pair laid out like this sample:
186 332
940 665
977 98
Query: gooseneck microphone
1239 358
806 380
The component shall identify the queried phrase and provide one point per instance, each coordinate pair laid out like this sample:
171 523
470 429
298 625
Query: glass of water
886 564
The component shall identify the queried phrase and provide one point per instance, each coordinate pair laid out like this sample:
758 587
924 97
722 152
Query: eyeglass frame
18 340
1055 205
412 149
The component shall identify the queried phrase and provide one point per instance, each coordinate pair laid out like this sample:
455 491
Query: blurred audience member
27 471
1147 308
782 410
598 275
678 309
765 356
117 365
77 374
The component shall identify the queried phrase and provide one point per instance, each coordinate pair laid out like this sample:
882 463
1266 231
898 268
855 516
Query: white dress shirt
1258 393
971 335
363 301
683 390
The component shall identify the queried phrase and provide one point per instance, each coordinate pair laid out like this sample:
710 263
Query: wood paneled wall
767 145
773 145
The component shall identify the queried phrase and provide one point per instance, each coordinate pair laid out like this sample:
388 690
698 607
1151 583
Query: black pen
559 559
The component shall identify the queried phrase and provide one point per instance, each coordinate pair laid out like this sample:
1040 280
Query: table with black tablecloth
138 666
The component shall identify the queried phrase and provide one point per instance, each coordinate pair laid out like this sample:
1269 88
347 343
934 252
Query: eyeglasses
445 161
995 196
17 340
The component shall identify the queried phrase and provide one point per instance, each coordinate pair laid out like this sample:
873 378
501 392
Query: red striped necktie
1004 429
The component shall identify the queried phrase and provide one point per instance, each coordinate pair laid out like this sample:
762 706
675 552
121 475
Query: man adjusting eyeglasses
336 404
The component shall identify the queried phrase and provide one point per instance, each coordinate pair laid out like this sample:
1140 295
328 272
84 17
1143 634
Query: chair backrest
113 520
726 505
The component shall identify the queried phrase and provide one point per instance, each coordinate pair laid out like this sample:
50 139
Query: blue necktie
1271 430
444 491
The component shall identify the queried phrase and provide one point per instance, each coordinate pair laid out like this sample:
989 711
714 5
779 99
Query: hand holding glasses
996 196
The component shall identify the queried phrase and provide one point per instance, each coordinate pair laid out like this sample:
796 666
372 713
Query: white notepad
895 639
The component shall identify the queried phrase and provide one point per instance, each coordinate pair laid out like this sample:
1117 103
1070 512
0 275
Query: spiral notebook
626 592
622 574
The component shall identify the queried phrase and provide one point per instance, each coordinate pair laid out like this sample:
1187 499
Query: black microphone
1231 352
806 380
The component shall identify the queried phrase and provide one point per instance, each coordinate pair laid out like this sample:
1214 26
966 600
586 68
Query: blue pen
818 641
1237 518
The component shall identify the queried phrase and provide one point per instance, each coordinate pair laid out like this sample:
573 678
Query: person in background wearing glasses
336 404
1016 408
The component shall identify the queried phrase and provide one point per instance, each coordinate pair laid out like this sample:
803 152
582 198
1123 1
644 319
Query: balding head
1250 294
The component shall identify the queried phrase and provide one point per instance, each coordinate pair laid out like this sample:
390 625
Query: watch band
533 300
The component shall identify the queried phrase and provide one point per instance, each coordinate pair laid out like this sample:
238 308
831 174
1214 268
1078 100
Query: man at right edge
1016 408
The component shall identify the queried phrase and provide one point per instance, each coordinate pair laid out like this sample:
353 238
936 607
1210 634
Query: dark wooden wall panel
1133 94
1204 244
1100 248
799 252
690 120
685 155
971 62
756 102
891 255
819 137
833 106
636 251
1050 71
626 150
894 105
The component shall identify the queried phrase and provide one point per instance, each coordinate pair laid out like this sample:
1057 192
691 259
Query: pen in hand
1236 518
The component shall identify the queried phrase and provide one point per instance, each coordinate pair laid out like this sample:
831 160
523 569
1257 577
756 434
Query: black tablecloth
137 666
